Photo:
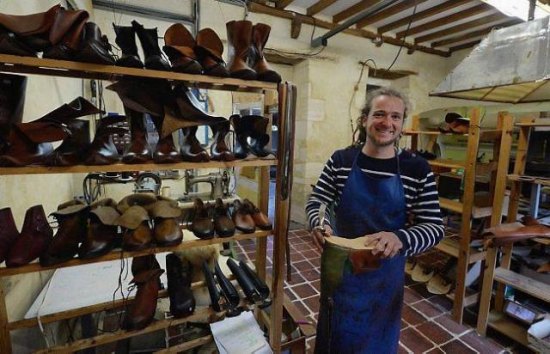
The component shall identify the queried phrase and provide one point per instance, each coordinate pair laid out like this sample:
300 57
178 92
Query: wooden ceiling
433 26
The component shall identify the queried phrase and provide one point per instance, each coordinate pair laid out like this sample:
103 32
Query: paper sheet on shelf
84 285
240 334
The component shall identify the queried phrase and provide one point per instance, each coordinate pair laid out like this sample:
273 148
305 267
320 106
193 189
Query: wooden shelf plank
118 254
534 122
51 67
447 163
420 132
528 285
504 325
138 167
545 181
451 247
450 204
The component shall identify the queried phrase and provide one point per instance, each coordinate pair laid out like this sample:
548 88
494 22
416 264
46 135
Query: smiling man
389 195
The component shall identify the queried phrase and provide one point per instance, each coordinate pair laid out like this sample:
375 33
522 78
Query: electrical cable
404 37
355 89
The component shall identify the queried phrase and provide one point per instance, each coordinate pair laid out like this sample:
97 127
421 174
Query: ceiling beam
432 11
460 28
472 11
464 46
350 11
394 10
319 6
470 35
281 4
258 8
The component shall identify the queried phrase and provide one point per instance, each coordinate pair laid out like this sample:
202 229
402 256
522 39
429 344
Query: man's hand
319 235
385 243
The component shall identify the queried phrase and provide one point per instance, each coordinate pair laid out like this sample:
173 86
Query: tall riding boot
102 150
179 44
12 102
95 47
209 50
149 42
35 236
191 149
219 150
8 232
71 231
239 34
126 41
182 301
260 34
259 139
139 150
187 112
142 311
241 150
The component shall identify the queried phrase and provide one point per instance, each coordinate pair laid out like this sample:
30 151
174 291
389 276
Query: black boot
151 50
12 101
219 150
126 40
241 149
259 139
95 48
182 301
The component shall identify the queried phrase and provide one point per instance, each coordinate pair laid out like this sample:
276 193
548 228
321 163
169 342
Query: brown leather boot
167 231
66 34
219 151
239 37
35 236
102 232
179 44
139 150
144 263
260 34
8 232
102 150
260 219
191 149
209 50
224 226
95 47
201 223
142 310
137 233
71 231
24 151
242 218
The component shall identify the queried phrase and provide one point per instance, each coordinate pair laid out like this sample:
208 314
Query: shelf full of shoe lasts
460 246
287 105
495 318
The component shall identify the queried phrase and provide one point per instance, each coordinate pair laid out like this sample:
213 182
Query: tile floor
427 326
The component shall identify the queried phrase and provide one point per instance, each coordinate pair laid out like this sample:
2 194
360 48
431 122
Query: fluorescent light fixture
518 8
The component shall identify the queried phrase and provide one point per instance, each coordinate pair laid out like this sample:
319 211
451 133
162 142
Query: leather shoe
201 224
142 310
223 224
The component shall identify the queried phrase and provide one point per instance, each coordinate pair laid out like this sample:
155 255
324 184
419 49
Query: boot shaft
126 40
12 101
148 37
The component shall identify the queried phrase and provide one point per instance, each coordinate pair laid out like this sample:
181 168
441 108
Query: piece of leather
27 25
239 36
510 233
179 44
35 236
182 301
102 233
142 311
8 232
209 50
146 200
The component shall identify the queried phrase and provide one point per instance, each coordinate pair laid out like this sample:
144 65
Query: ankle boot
12 102
209 50
239 35
102 150
8 232
187 112
71 231
165 150
201 223
179 44
178 272
241 150
137 233
167 231
95 47
191 149
102 231
219 151
223 224
259 139
260 34
149 42
73 149
35 236
242 218
139 150
260 219
143 308
126 41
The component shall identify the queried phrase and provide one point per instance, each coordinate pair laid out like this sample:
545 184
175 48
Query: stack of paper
240 334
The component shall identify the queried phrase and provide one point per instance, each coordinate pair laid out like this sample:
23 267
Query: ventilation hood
510 65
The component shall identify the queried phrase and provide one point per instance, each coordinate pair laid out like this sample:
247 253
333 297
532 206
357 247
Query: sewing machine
219 185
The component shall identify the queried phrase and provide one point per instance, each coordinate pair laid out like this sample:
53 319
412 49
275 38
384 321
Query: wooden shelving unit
287 101
495 318
502 140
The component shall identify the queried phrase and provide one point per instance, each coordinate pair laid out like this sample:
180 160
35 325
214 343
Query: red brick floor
426 327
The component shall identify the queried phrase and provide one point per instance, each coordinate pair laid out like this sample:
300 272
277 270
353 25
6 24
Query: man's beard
379 143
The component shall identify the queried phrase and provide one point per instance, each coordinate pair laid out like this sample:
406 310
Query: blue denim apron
363 314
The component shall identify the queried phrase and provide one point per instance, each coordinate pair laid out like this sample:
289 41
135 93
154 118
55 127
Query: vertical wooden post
5 340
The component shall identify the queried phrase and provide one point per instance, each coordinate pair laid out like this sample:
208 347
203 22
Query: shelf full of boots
500 248
90 59
459 244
